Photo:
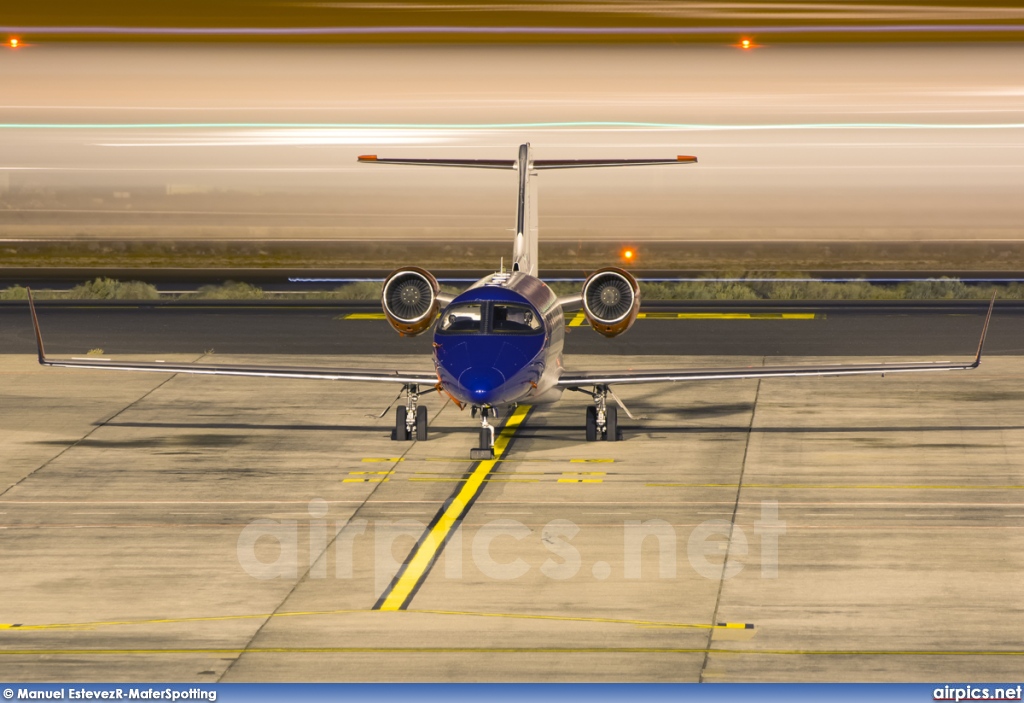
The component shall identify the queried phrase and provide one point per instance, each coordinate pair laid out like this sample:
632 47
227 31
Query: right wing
576 379
423 378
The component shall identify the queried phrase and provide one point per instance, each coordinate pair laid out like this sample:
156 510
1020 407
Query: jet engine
611 301
409 299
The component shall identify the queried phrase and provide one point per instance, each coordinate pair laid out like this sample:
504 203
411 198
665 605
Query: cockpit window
514 318
462 319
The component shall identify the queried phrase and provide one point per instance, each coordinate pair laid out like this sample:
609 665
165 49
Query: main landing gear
602 419
485 449
410 421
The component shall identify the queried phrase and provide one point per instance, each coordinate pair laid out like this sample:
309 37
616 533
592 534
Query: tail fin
525 257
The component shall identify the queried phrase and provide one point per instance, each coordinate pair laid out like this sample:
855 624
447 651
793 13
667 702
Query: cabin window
514 318
462 319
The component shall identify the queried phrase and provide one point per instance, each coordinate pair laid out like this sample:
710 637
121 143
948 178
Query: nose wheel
485 448
602 419
410 421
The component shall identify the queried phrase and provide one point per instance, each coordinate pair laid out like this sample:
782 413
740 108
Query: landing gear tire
611 427
591 423
484 451
401 432
421 423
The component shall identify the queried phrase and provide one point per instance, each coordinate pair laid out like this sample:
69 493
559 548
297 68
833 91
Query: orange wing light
14 43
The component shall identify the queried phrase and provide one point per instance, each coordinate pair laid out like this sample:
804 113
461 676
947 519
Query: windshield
514 318
490 318
463 319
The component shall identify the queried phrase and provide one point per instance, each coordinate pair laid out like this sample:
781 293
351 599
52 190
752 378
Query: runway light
14 42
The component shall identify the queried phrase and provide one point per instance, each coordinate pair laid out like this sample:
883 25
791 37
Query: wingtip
686 159
984 332
35 324
368 157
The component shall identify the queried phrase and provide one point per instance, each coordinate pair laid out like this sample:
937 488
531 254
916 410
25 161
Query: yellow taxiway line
401 590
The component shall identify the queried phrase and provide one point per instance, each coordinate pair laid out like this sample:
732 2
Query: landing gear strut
410 421
602 419
485 449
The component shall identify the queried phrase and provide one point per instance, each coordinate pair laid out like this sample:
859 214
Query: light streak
597 125
514 30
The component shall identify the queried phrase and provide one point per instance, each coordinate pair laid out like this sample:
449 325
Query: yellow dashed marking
579 477
726 315
579 319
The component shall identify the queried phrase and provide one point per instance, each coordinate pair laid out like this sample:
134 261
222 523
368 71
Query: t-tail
524 255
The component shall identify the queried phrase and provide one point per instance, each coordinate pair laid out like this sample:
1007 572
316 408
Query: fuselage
500 342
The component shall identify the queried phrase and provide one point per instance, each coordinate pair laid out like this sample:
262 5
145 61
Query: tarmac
172 528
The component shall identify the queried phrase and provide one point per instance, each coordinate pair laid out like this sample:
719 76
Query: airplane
499 343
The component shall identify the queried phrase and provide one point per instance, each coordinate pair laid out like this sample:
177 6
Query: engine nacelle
409 299
611 301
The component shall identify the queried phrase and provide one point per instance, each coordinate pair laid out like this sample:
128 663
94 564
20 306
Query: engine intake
409 299
611 301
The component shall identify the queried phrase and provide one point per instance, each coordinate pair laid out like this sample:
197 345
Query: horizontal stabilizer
506 164
537 165
547 164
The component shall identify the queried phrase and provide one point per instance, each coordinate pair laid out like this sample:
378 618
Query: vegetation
98 289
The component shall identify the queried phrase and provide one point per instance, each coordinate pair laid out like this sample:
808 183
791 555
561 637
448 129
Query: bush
110 289
14 293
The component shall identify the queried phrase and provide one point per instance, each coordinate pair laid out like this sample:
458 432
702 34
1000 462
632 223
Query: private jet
499 343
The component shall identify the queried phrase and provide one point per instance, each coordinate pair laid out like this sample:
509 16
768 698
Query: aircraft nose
482 383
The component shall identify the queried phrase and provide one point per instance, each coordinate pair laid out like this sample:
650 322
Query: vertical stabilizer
525 252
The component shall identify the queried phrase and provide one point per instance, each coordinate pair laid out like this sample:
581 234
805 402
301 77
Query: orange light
746 44
628 254
14 43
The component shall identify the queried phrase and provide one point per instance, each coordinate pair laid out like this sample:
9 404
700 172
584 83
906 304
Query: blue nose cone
482 383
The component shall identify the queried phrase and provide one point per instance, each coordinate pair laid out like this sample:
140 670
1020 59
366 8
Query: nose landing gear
485 449
410 421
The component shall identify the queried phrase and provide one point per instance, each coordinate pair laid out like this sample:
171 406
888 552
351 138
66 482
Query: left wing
423 378
606 378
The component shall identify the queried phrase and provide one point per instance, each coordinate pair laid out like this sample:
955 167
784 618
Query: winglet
984 332
35 324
